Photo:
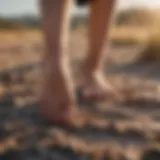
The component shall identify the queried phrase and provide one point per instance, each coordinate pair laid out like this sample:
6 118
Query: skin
57 98
91 77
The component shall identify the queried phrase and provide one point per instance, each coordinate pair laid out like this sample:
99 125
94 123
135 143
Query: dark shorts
82 2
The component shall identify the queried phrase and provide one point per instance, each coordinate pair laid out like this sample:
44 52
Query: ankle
90 73
90 76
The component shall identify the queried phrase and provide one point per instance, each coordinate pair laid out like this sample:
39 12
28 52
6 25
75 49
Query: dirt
127 130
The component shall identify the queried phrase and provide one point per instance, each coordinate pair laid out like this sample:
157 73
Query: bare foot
95 88
58 116
57 101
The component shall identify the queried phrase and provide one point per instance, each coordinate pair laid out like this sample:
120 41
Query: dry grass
128 36
120 35
151 53
11 36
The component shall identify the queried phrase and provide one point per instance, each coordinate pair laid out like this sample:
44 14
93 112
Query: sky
19 7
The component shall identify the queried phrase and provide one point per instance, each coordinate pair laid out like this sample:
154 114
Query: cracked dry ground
129 130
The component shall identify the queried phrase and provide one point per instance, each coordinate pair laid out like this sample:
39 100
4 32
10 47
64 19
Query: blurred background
132 64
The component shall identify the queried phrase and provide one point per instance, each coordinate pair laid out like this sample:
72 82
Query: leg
56 99
100 19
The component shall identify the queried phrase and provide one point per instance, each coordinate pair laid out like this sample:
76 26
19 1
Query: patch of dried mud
127 130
